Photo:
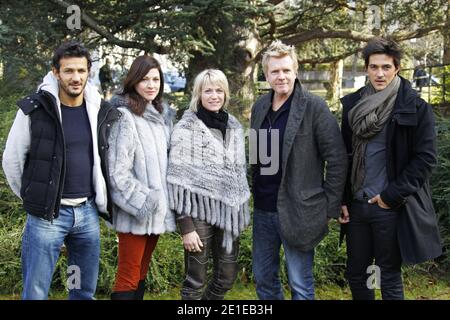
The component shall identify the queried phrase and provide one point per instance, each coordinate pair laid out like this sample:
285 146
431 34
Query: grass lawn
417 287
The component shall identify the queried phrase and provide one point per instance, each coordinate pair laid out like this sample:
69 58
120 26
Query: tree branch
329 59
321 33
291 25
92 24
406 35
275 2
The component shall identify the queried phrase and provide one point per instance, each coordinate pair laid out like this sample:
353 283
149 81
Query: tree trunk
446 35
246 73
240 68
446 58
335 87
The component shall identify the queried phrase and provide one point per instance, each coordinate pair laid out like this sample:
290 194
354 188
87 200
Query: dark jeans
372 234
225 266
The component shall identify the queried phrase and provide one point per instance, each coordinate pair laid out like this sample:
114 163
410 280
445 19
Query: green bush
329 261
10 266
11 220
442 95
440 185
8 109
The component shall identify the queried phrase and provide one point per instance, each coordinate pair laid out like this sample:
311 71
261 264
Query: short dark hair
138 70
385 46
70 49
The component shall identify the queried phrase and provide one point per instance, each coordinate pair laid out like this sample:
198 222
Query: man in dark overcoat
387 212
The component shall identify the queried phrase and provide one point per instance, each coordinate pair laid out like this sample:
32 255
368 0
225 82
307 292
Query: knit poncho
207 175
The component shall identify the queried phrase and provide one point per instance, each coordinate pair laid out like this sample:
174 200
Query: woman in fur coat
137 161
208 187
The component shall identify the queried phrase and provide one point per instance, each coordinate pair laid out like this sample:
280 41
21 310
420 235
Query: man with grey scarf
387 213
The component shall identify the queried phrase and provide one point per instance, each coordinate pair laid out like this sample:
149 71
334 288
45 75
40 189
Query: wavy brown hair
138 70
387 46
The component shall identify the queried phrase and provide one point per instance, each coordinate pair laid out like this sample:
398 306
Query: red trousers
135 254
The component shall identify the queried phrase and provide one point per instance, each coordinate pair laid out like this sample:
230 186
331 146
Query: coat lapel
295 118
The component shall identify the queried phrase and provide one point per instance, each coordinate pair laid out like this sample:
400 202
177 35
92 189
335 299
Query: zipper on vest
270 123
61 179
62 176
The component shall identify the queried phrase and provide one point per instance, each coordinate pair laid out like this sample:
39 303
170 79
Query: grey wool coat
314 168
137 156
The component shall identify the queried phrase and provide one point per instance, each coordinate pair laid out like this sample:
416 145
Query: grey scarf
207 177
367 119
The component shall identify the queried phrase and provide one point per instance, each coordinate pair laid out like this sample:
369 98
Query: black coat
106 117
411 156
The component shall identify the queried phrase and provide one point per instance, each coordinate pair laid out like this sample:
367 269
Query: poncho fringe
233 220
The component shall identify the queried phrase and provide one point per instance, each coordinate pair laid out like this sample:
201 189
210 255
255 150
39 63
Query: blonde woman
208 188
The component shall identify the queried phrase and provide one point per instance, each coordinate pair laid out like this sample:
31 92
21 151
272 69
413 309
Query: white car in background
167 88
176 81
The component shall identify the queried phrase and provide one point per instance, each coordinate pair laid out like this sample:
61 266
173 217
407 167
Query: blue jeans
267 242
42 240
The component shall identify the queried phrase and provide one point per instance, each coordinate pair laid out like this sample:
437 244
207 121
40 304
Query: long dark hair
138 70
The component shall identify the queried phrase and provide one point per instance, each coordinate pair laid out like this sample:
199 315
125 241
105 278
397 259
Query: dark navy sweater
79 152
265 187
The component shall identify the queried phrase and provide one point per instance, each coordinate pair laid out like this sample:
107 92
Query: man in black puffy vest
52 163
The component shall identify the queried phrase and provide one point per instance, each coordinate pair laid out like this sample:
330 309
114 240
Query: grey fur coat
138 147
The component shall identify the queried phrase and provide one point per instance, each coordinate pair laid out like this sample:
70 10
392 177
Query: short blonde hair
278 49
213 77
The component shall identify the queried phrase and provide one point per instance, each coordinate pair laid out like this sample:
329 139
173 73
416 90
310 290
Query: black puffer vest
43 174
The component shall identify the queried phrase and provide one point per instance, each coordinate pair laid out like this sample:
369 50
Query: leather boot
139 293
123 295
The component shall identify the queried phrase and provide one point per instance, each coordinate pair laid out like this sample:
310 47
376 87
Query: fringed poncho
207 176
